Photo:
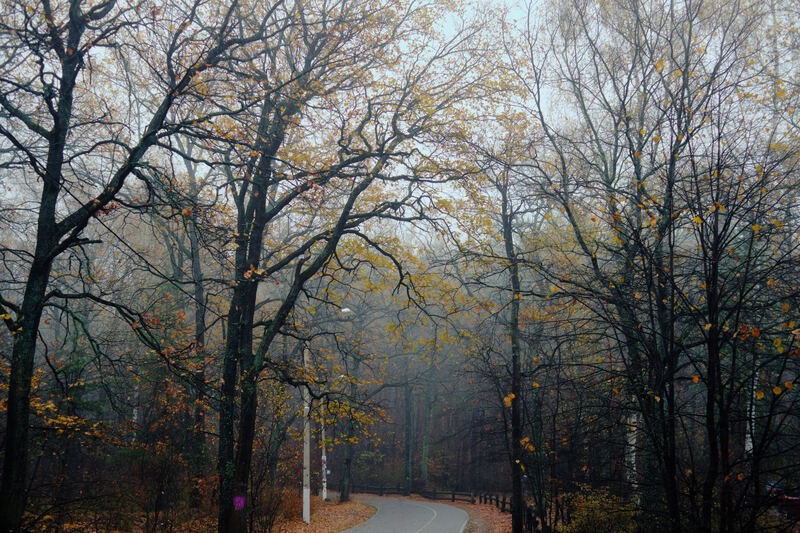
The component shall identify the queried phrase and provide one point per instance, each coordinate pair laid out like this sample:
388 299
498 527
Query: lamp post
307 443
324 464
351 378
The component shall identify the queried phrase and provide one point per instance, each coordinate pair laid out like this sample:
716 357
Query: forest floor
485 518
327 517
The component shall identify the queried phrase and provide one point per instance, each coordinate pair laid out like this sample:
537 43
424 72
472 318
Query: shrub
596 510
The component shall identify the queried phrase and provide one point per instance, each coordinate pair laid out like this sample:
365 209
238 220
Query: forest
549 250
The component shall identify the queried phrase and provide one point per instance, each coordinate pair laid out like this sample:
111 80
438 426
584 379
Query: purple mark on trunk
238 502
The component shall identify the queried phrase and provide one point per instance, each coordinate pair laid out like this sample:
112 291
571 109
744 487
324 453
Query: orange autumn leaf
508 399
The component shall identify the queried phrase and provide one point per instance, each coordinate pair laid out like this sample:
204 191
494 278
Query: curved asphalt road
400 515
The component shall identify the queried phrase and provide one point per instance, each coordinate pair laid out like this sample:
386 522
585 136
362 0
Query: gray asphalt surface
399 515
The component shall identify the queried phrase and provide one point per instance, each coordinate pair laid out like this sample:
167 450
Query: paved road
400 515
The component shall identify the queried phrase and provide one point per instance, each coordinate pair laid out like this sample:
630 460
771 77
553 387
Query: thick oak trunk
13 491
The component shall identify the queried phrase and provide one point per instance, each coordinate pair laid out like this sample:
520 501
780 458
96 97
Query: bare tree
640 106
75 150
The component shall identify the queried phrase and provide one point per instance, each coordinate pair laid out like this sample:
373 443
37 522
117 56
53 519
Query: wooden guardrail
504 504
380 490
451 495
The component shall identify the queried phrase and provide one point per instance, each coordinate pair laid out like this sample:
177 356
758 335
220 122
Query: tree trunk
517 503
233 461
13 492
346 483
15 462
199 452
409 444
244 450
350 431
425 451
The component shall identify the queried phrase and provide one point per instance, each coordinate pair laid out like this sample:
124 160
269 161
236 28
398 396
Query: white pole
324 466
751 418
306 445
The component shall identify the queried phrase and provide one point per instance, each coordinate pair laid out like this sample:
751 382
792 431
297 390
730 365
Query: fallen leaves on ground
328 517
485 518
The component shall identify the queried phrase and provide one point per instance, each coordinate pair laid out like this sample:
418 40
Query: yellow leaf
759 395
508 399
776 390
536 385
756 228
